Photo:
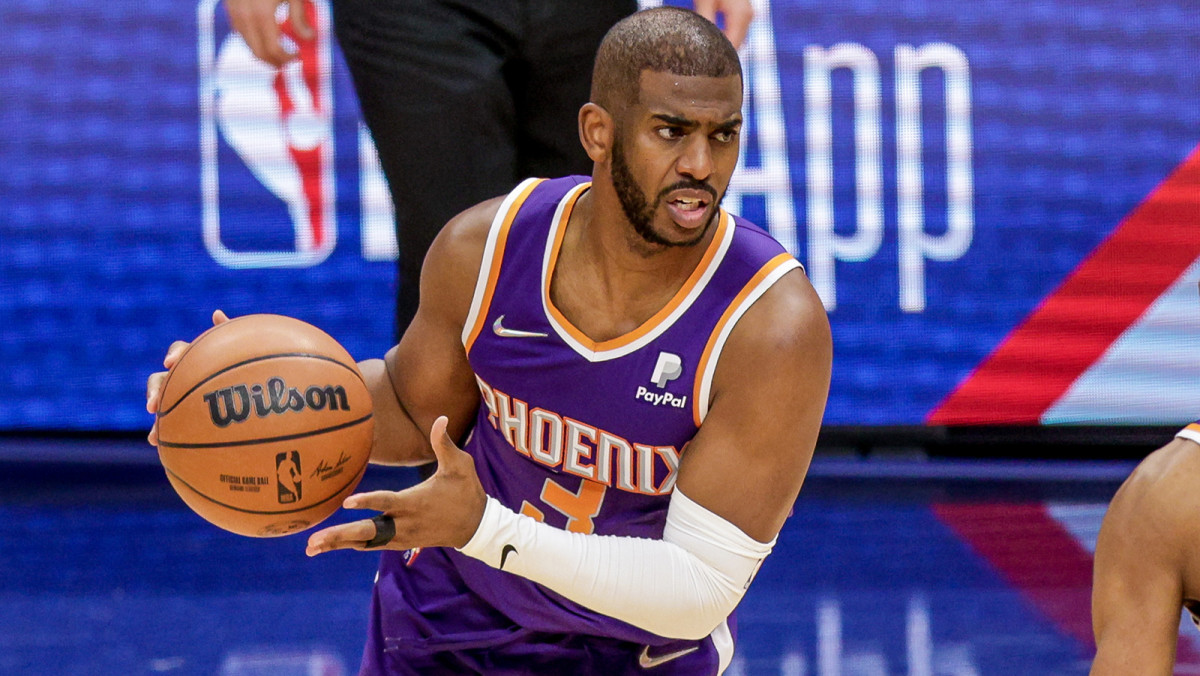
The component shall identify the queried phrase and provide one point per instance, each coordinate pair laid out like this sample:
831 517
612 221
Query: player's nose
695 159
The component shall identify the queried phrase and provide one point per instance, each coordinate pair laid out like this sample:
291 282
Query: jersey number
579 507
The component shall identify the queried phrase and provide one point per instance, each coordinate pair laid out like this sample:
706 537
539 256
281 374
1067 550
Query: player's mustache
688 184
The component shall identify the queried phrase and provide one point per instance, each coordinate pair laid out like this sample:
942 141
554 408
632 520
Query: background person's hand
255 21
737 15
155 382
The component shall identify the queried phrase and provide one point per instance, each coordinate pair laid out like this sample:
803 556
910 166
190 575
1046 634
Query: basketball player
1148 562
622 385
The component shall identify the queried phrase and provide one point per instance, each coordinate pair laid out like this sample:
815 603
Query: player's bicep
769 393
428 370
1137 588
431 377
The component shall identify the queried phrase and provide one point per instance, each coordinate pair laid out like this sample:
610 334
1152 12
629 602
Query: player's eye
671 133
725 135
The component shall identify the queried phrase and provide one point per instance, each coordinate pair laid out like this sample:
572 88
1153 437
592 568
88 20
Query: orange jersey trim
1191 432
497 261
732 309
650 324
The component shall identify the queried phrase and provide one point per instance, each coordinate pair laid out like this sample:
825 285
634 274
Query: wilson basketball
265 425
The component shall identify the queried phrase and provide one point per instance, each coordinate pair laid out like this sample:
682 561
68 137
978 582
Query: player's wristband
1191 432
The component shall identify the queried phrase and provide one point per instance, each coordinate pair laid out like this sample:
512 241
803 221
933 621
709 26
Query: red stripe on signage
1099 300
1035 554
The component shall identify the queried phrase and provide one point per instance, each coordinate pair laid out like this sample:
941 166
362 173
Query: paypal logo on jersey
668 368
661 398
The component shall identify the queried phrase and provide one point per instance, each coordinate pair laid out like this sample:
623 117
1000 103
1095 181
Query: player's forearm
398 440
682 586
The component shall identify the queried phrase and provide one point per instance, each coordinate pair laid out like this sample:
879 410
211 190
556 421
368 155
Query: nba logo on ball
288 473
266 144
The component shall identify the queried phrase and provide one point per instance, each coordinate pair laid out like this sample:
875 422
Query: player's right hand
443 511
254 20
155 382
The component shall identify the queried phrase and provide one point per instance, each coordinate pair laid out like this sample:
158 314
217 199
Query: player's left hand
442 511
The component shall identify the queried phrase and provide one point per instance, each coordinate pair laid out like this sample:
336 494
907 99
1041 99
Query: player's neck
608 281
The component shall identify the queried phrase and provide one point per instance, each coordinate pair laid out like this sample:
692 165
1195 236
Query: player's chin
688 232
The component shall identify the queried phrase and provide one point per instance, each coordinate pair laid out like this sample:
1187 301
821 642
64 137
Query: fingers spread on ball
175 352
154 391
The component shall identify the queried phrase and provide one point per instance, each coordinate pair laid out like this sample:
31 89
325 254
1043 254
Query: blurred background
998 202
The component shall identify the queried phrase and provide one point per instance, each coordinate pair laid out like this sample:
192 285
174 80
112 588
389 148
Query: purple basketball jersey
581 435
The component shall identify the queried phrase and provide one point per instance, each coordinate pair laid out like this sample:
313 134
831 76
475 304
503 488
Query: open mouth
689 208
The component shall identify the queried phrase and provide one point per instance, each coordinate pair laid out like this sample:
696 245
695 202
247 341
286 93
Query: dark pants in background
465 99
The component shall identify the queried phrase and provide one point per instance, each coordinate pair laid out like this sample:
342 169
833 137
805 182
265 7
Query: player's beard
640 211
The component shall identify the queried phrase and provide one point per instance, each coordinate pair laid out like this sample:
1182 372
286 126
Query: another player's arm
1141 558
427 374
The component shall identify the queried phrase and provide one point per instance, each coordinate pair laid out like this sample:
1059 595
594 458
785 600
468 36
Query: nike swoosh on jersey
500 330
647 662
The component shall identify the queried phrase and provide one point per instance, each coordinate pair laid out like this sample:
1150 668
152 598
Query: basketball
265 425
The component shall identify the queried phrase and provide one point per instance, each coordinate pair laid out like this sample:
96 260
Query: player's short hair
662 40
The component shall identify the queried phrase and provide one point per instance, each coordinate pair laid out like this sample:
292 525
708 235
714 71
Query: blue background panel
1078 110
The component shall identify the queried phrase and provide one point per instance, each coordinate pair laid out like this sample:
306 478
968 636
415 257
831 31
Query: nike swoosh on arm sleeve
682 586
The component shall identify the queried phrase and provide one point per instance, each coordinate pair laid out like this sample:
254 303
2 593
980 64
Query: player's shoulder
786 327
1170 471
453 260
778 356
750 244
1161 489
465 235
464 238
788 307
788 324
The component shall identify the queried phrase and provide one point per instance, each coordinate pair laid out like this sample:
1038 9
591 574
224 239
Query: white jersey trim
722 640
710 368
489 253
1191 433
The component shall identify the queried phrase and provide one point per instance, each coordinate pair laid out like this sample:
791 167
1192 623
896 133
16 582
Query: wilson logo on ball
230 405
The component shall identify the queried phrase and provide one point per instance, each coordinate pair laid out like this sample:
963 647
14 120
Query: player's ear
596 132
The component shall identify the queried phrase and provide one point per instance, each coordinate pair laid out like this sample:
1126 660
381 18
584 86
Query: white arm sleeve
682 586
